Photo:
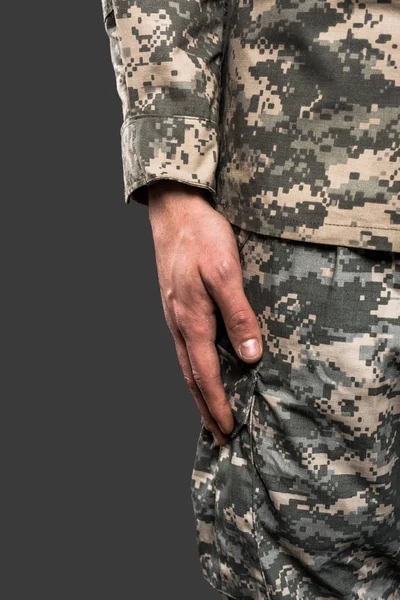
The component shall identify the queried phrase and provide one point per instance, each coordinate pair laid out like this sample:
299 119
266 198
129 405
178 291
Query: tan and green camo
286 112
303 502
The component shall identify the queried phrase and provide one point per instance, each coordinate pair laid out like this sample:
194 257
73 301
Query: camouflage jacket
286 113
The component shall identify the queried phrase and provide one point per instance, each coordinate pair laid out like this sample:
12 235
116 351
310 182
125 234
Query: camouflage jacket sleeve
167 57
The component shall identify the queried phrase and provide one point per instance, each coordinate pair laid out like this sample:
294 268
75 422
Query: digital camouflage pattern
286 112
304 500
167 55
310 139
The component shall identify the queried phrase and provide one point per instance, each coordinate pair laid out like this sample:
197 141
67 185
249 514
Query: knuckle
202 381
222 270
169 300
168 297
183 321
190 326
240 320
188 329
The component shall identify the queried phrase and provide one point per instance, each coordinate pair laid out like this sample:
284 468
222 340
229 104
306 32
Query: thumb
240 321
250 350
244 332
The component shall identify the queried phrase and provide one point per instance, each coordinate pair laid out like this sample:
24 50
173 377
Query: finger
206 371
197 326
208 421
224 282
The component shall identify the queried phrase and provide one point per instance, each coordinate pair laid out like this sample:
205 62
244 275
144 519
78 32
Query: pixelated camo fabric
286 112
304 500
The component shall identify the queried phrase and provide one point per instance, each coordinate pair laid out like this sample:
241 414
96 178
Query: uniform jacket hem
338 234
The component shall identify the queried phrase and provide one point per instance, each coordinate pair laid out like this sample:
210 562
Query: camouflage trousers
304 500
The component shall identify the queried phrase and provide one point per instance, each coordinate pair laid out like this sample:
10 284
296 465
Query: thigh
302 502
325 420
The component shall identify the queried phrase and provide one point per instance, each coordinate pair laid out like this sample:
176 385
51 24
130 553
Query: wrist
172 203
163 189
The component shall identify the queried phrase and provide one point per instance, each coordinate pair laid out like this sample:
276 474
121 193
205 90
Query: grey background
99 430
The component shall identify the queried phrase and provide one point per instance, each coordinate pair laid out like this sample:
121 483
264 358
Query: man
264 137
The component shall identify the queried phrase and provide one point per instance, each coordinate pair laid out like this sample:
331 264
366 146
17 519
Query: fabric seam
254 472
289 220
245 242
222 76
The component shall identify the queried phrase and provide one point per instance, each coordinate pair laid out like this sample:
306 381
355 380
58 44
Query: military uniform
286 113
304 500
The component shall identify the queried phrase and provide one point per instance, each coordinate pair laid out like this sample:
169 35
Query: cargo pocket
223 492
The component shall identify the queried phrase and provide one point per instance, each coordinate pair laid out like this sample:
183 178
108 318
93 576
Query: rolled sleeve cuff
180 148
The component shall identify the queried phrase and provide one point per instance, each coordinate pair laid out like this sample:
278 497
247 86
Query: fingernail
249 349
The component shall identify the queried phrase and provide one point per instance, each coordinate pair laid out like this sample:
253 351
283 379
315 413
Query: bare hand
199 272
